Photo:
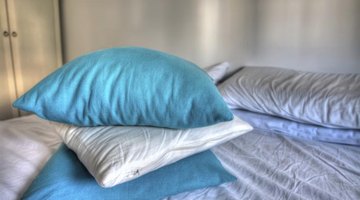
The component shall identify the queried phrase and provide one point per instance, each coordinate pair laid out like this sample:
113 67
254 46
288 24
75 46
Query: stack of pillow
306 105
129 113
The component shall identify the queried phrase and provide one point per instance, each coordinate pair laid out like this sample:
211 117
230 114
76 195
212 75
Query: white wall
203 31
312 35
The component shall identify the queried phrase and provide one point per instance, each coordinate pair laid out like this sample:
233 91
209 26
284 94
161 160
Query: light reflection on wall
209 27
311 35
199 30
314 35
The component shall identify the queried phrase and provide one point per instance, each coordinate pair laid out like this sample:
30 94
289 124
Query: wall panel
312 35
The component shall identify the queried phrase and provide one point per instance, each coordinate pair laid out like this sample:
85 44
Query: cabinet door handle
14 34
6 33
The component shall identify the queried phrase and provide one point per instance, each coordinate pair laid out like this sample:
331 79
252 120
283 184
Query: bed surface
267 165
271 166
26 144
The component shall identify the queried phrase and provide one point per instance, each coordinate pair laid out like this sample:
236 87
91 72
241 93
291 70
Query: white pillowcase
330 100
217 72
117 154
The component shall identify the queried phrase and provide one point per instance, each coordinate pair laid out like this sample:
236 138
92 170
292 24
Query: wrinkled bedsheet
26 143
267 165
271 166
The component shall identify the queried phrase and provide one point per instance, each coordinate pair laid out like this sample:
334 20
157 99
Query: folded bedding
64 177
329 100
299 130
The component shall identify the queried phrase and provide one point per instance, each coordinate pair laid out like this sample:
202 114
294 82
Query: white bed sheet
272 166
26 144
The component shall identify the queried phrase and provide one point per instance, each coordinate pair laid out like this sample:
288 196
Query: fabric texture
299 130
127 86
217 72
64 177
114 155
330 100
26 143
274 166
268 165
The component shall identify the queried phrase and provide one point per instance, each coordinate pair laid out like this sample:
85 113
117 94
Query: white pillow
117 154
330 100
217 72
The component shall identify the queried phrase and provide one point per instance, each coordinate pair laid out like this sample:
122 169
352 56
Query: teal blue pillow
64 177
127 86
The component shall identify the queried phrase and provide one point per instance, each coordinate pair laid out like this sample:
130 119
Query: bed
267 165
272 166
289 154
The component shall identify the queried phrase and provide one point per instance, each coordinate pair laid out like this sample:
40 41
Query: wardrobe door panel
35 38
7 81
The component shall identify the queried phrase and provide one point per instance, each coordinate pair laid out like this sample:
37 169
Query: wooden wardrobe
30 47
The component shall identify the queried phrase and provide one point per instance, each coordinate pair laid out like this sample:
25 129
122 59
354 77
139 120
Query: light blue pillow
300 130
127 86
64 177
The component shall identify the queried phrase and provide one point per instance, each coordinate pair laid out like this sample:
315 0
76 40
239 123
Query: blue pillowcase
127 86
64 177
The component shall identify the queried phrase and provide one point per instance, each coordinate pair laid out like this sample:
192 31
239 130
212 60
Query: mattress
267 165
